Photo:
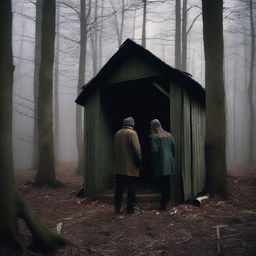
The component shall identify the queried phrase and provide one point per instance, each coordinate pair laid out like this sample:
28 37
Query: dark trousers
121 182
164 182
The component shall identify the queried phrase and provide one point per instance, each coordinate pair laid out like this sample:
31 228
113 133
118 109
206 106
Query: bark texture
252 140
178 34
56 89
81 80
184 36
143 37
11 204
7 187
46 168
215 97
37 59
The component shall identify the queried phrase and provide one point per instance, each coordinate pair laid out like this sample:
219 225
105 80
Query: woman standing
162 152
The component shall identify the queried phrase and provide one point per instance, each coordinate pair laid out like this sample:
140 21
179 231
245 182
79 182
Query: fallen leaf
59 226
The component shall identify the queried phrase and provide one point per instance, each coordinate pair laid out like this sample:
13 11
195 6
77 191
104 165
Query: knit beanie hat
129 121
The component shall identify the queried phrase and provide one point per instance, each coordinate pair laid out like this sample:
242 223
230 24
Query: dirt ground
181 230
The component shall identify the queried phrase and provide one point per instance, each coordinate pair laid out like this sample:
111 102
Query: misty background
104 26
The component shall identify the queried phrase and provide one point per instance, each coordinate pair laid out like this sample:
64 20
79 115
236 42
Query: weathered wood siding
176 188
133 68
186 147
198 145
193 141
187 122
98 156
188 128
106 146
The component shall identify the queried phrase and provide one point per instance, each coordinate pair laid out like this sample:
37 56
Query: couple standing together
127 161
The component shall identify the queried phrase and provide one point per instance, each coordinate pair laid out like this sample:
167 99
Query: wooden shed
134 82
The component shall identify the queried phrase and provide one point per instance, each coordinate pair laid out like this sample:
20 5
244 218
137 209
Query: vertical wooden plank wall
186 147
198 144
187 122
98 146
106 146
92 147
176 108
202 130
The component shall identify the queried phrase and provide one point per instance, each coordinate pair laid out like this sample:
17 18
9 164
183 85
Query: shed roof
128 48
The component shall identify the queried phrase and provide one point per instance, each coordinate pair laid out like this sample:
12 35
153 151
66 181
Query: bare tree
37 59
144 20
46 168
252 159
119 25
56 86
178 34
12 205
215 97
84 18
184 36
94 39
101 34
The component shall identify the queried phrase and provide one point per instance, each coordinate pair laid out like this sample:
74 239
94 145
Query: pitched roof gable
129 48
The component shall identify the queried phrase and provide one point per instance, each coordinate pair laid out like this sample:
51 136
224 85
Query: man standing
127 159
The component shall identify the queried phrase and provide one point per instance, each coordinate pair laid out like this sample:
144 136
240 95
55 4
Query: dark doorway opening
144 101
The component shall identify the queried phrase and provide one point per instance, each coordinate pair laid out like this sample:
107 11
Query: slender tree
178 34
251 88
144 21
234 127
84 18
101 34
134 25
215 97
94 39
46 168
184 36
56 87
119 26
11 204
37 59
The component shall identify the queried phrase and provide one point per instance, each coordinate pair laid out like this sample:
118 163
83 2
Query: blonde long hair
157 130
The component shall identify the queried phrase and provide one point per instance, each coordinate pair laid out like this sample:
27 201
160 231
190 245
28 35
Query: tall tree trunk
184 36
178 34
81 80
234 138
215 97
246 121
144 21
7 187
119 29
37 60
94 40
252 126
46 168
56 88
134 25
11 204
122 23
101 34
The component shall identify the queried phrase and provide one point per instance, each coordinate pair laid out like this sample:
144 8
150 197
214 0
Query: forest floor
181 230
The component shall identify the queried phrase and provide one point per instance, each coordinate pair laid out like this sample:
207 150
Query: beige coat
127 152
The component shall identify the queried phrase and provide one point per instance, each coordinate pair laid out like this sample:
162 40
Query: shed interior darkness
142 100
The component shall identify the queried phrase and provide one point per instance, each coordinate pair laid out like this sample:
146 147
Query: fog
160 35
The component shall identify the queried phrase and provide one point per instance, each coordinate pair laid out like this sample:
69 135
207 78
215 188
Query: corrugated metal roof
183 78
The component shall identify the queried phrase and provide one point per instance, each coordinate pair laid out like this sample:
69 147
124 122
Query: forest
50 50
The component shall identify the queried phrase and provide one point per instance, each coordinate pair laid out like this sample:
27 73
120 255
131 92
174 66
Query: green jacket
127 152
162 155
